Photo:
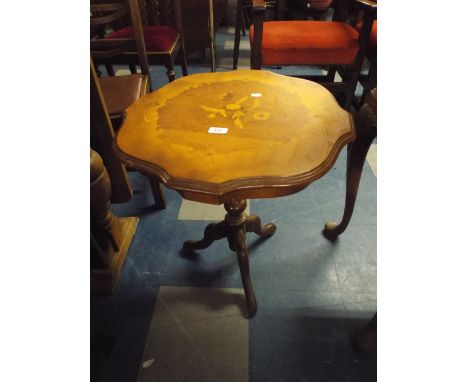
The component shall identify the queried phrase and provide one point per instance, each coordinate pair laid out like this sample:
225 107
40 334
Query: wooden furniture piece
317 9
366 126
110 235
195 18
120 91
102 136
163 39
369 81
334 44
222 138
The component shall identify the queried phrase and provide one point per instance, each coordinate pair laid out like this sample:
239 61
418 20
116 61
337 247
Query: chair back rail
105 14
103 133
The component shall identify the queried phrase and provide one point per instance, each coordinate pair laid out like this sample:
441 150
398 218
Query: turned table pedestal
223 138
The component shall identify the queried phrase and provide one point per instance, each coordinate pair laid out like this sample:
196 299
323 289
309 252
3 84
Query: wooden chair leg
212 37
357 152
170 69
183 59
330 77
371 81
158 194
109 69
237 34
243 26
352 86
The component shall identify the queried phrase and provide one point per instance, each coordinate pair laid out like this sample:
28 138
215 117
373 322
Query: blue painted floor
312 294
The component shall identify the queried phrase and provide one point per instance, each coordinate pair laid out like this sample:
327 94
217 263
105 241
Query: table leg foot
254 224
243 258
213 231
332 230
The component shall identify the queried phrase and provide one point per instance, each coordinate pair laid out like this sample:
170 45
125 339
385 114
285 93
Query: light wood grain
277 143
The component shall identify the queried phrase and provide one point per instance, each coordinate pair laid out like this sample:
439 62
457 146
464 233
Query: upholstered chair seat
121 91
157 38
308 43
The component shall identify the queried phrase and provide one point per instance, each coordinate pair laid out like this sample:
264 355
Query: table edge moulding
296 131
240 188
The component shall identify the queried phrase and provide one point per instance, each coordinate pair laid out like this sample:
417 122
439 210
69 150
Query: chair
163 39
120 92
102 138
317 9
366 126
243 20
334 44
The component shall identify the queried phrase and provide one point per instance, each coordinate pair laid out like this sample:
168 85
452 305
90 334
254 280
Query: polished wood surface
280 134
283 133
234 227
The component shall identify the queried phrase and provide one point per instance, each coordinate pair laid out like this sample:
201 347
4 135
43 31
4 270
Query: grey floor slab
308 346
197 334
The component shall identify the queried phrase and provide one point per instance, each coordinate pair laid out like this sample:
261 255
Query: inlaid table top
240 134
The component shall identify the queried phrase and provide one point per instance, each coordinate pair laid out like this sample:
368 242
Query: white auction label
218 130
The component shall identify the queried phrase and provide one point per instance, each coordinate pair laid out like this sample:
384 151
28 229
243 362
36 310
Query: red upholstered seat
157 38
308 43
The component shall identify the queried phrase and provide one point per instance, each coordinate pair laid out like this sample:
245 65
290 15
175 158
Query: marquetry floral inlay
237 110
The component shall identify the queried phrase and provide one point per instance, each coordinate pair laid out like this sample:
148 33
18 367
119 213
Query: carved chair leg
357 153
243 258
254 224
213 231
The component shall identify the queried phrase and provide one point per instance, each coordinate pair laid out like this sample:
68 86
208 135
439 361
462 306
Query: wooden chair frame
102 128
139 12
368 10
107 51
